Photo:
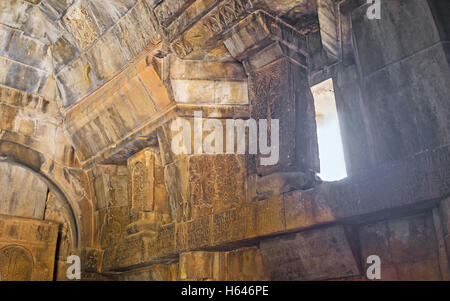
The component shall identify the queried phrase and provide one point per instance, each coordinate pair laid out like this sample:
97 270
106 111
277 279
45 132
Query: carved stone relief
139 181
16 263
27 249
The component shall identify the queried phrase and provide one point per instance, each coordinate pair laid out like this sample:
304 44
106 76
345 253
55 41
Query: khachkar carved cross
16 263
268 90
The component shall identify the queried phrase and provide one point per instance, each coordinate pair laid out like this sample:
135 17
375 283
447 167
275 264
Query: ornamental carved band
139 182
227 14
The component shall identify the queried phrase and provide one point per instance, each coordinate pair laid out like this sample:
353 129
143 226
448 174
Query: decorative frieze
147 182
226 14
205 35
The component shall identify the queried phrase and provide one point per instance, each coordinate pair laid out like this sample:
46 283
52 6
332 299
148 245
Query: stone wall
87 164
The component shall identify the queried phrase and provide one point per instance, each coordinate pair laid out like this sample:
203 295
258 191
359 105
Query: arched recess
22 268
62 182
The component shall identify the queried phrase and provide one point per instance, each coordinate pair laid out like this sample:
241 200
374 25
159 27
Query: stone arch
61 180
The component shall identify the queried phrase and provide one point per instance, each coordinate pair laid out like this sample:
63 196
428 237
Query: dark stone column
275 58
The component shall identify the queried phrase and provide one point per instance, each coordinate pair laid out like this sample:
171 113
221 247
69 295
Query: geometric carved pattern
139 180
27 248
16 263
226 14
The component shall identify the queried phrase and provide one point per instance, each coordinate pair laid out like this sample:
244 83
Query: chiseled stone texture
27 249
407 248
88 90
157 272
148 191
319 254
84 43
403 85
23 193
199 82
120 114
34 122
207 184
358 199
238 265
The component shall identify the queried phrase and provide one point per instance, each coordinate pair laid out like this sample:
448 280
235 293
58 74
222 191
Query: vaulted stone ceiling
66 49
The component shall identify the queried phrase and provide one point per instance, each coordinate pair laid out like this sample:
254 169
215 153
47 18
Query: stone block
271 97
147 186
270 216
234 225
406 246
27 249
157 272
196 266
317 254
245 265
199 233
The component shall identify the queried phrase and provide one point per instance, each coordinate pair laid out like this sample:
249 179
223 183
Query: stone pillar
110 185
275 57
201 181
149 204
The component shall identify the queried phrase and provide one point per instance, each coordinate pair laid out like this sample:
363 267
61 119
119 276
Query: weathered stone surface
56 212
211 179
279 183
197 266
306 255
27 249
392 102
148 192
157 272
199 185
272 97
353 125
275 56
259 30
88 90
84 28
296 211
204 38
239 265
28 195
135 102
445 222
407 248
234 225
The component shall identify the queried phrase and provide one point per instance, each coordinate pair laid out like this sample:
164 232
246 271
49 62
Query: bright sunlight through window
331 154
